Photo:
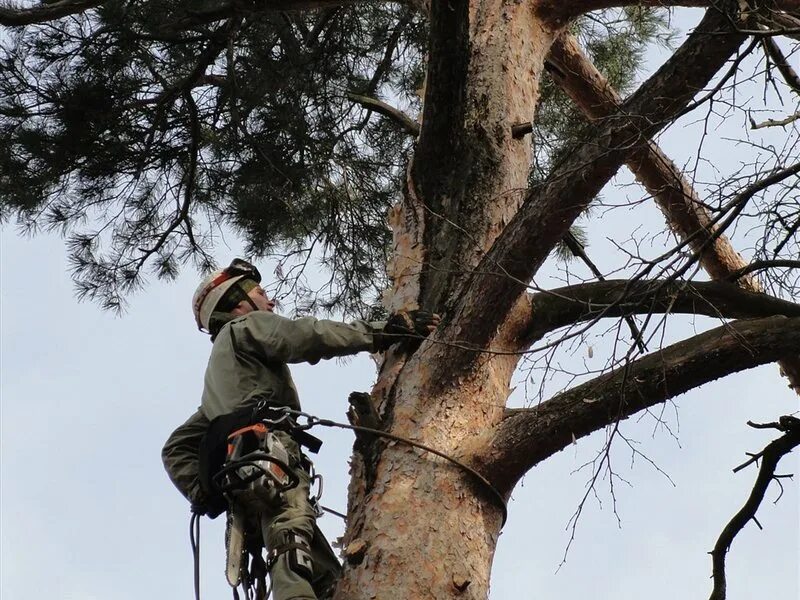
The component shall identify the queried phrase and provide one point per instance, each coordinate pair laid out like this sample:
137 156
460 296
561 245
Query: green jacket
248 363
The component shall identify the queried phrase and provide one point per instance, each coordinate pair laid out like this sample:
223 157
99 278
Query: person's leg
287 532
327 568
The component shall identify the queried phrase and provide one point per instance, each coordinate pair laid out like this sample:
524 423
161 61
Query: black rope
312 421
333 512
194 539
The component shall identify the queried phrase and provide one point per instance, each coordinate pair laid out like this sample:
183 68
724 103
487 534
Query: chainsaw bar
234 548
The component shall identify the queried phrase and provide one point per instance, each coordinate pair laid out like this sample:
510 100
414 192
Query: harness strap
274 555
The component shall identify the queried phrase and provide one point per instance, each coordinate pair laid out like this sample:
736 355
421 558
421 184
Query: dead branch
782 64
574 72
562 307
769 457
528 436
550 209
760 265
775 122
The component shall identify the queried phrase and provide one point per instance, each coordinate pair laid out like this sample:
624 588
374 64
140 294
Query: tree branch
559 13
398 116
528 436
17 17
574 72
550 209
770 457
775 122
760 265
565 306
782 64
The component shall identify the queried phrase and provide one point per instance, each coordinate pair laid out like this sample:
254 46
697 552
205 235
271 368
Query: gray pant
294 515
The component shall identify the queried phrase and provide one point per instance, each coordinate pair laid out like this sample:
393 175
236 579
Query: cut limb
574 72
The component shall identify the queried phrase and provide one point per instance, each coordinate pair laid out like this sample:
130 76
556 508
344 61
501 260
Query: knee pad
298 555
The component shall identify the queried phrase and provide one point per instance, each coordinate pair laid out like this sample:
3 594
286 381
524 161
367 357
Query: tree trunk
418 525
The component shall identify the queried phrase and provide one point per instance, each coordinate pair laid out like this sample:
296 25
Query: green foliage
140 130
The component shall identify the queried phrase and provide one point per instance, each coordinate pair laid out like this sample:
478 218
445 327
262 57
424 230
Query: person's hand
402 325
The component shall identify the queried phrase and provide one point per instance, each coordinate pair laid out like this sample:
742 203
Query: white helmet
213 288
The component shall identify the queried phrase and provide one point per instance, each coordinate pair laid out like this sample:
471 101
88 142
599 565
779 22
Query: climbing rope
313 421
194 539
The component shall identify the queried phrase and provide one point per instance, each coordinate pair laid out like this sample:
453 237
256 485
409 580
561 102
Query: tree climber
247 373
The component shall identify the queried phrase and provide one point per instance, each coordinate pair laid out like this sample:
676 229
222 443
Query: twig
775 122
770 456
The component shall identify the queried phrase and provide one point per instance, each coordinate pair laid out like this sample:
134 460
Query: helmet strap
250 300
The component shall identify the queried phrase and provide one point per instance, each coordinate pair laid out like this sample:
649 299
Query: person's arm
181 460
306 339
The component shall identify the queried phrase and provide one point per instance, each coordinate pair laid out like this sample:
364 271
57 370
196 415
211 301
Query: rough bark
674 194
528 436
485 62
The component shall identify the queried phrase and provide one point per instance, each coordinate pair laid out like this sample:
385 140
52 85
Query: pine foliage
142 131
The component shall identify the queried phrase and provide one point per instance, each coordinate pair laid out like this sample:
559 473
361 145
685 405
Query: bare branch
775 122
550 209
560 13
398 116
577 249
770 457
590 90
528 436
574 72
782 64
760 265
561 307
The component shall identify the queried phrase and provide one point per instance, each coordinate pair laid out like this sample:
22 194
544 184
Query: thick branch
528 436
574 72
551 208
760 265
559 12
18 17
782 64
770 457
562 307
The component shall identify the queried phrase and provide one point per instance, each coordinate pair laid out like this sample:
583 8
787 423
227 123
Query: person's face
259 298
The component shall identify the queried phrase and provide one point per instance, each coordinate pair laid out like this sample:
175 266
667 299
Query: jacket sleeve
181 458
306 339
